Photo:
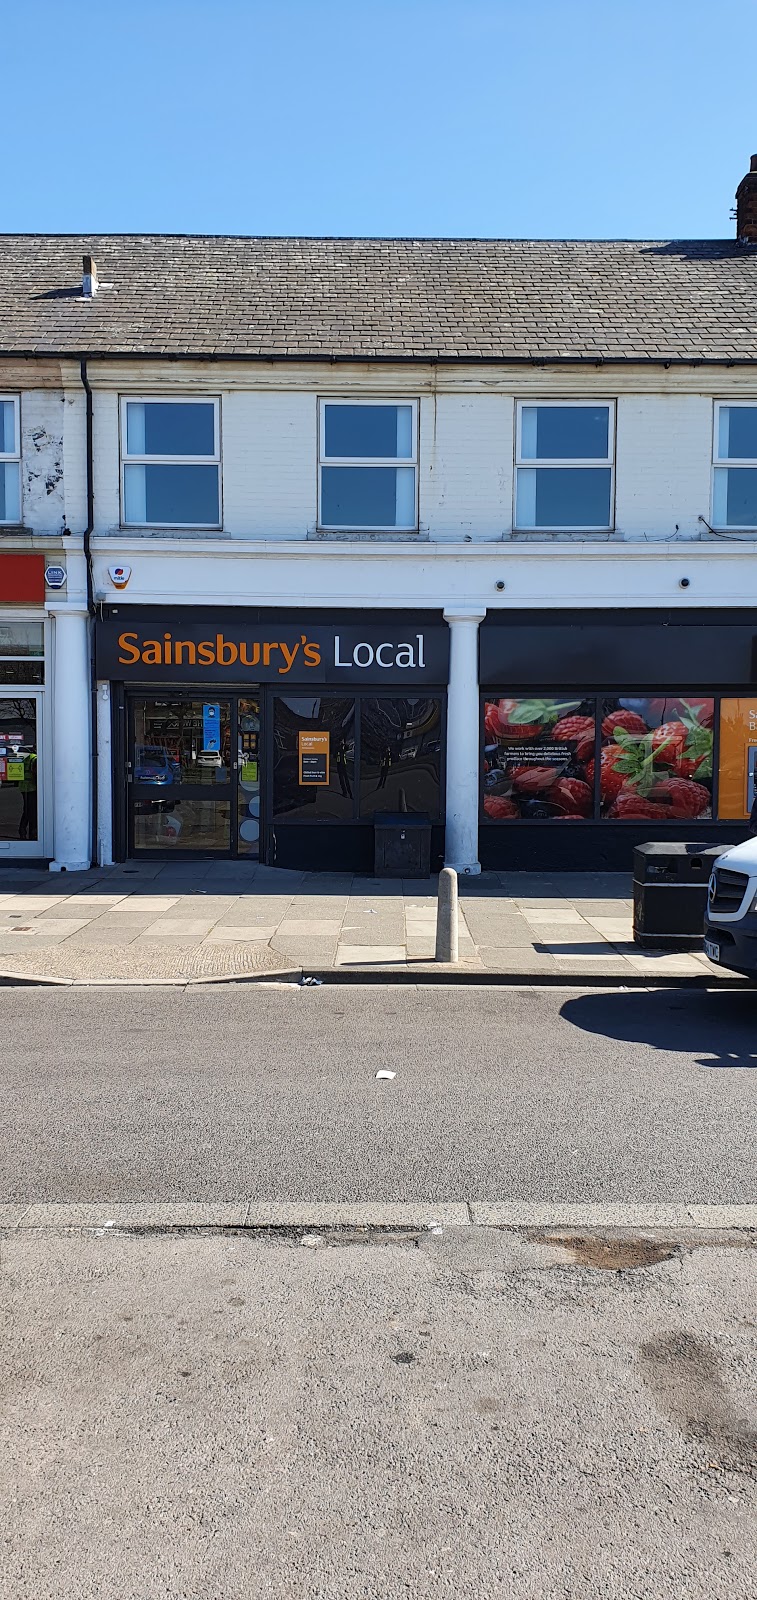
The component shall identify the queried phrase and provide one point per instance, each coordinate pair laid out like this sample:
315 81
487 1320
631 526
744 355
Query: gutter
88 531
329 358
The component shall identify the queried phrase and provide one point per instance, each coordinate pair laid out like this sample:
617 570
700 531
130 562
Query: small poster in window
314 751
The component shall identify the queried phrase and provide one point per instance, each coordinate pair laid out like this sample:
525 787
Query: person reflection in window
341 768
384 769
27 828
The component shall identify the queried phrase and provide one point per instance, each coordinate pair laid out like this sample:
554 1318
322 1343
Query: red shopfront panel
22 580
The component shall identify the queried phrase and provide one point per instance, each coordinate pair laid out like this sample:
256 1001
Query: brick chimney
746 206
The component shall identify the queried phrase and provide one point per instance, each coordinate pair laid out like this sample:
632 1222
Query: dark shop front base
342 847
577 847
522 847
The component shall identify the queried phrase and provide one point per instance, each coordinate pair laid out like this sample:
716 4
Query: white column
72 766
104 778
463 744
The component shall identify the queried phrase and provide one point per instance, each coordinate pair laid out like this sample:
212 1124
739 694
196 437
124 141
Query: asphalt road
470 1416
270 1093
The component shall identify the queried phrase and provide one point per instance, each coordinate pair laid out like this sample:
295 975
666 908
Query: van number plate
712 950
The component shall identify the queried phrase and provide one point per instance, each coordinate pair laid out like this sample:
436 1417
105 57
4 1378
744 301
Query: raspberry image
578 731
629 721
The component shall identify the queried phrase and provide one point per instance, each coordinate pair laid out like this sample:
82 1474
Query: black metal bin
670 893
402 844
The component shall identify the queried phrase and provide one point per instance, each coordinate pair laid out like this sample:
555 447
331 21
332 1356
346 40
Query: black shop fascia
271 735
601 730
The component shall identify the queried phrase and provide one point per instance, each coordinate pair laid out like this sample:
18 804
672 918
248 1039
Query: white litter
384 1074
311 983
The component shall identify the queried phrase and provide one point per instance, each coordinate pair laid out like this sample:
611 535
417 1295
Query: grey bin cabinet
670 893
402 845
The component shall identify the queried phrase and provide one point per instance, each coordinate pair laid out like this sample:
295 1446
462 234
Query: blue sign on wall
211 728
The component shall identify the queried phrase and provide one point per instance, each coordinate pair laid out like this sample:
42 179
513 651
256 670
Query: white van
730 922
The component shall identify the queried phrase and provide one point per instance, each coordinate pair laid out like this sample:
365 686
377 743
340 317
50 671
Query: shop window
734 492
656 758
737 766
171 463
539 759
368 465
563 476
400 756
18 770
313 759
22 650
10 460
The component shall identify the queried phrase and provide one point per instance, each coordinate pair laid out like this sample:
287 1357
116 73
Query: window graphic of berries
684 798
499 806
578 731
610 781
573 796
633 807
534 780
629 721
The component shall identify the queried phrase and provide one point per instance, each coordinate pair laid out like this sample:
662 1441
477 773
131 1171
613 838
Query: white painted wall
269 447
269 453
466 465
663 466
75 459
42 460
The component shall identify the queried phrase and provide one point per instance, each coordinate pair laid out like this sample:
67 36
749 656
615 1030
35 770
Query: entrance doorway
21 784
193 769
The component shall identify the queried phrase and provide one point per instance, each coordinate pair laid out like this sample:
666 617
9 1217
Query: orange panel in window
738 737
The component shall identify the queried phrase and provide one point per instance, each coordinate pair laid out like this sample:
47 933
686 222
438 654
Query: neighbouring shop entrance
20 774
193 773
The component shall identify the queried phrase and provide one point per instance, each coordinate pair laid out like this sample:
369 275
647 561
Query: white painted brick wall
42 460
269 450
466 466
75 460
664 455
269 446
106 463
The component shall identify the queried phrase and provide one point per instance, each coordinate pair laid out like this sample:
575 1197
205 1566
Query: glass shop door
193 774
20 773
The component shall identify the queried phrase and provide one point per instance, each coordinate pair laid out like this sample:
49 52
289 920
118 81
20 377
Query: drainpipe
88 531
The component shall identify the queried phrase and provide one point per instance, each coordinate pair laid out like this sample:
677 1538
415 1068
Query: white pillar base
463 742
72 772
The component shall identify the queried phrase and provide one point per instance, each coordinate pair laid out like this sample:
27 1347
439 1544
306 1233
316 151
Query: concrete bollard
446 916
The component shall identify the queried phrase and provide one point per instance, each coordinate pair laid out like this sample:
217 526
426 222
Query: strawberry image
629 721
612 771
499 806
572 795
684 798
534 780
633 807
684 744
578 731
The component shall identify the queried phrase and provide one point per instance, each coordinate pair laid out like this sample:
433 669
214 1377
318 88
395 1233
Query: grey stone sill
370 536
17 531
167 533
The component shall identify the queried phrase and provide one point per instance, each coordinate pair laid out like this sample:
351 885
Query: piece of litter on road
384 1074
311 983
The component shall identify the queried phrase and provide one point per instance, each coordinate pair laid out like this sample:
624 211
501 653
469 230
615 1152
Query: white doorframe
18 849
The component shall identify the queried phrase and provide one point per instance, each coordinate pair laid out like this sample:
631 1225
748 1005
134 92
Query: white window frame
719 462
367 461
172 461
565 463
11 457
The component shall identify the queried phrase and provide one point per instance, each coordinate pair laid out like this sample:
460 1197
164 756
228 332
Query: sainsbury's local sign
270 652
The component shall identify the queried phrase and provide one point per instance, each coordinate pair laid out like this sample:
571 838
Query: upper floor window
171 463
563 466
368 465
10 460
734 492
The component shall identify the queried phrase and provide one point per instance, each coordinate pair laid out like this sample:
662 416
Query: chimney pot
89 282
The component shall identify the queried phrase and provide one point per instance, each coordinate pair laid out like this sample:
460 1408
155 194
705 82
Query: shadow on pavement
719 1030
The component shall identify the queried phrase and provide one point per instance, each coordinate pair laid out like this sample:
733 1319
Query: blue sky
522 118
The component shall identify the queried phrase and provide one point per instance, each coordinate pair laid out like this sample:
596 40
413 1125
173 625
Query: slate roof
388 299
